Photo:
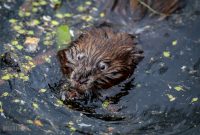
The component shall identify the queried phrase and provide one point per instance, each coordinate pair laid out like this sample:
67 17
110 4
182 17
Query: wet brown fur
118 50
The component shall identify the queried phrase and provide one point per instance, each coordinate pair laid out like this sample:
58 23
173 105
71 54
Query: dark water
162 97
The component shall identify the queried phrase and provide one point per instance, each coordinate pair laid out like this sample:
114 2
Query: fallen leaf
179 88
174 42
5 94
6 77
38 123
194 100
31 43
166 54
105 104
42 90
35 106
171 97
63 36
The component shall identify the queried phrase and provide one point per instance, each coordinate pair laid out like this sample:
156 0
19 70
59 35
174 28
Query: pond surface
161 97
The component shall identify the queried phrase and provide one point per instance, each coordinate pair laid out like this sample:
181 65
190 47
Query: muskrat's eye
102 65
80 56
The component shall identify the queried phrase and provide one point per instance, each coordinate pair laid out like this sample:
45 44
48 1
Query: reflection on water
162 97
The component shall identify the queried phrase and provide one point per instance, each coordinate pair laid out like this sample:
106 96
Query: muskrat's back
99 59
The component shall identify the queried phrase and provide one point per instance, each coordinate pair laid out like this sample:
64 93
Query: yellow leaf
31 40
16 100
19 47
174 42
29 121
70 125
42 90
53 22
5 94
171 97
194 100
59 103
6 77
166 54
35 106
59 15
105 104
102 14
88 2
38 123
178 88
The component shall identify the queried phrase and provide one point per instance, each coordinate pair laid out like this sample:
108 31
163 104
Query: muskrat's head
99 59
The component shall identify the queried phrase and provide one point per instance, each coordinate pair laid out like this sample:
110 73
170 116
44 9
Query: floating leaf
59 15
105 104
25 78
38 123
63 36
68 15
88 2
5 94
174 42
28 57
17 28
54 22
30 32
47 43
70 125
6 77
36 4
22 75
171 97
27 14
12 20
35 106
42 90
42 2
81 8
35 22
102 14
34 9
16 100
166 54
47 59
14 42
178 88
87 18
31 43
21 31
59 103
56 2
19 47
29 121
194 100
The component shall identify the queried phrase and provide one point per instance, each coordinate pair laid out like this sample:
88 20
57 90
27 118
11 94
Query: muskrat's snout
79 78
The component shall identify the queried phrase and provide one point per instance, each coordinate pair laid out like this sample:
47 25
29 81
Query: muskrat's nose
80 79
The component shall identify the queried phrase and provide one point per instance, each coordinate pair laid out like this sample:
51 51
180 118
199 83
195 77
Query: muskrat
98 59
